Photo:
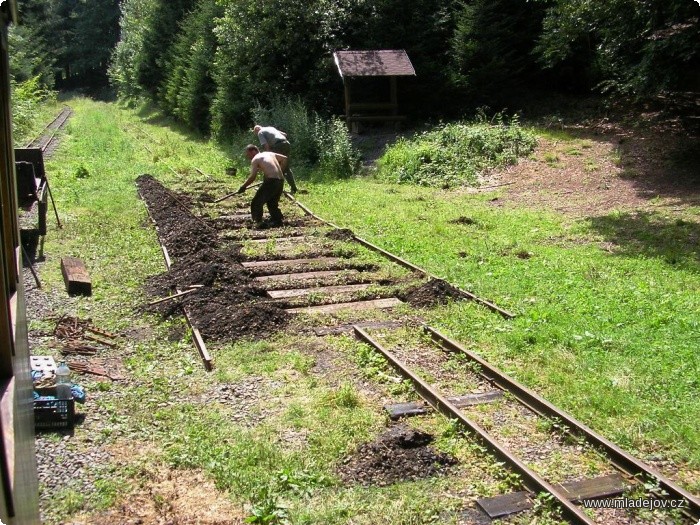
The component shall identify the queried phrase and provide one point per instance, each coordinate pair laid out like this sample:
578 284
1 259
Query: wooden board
298 276
300 292
346 328
75 276
419 408
279 239
356 305
289 262
601 487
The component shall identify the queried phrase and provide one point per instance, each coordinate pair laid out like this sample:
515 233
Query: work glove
241 190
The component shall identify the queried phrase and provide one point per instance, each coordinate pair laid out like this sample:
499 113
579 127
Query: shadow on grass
648 234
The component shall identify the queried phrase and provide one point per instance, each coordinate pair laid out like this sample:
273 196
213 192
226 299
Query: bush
456 154
321 148
26 98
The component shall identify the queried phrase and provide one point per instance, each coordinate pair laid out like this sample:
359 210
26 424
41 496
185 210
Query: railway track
302 270
47 141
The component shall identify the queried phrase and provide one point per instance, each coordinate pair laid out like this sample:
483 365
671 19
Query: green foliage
339 158
456 154
637 48
266 509
321 146
65 43
492 44
26 98
189 86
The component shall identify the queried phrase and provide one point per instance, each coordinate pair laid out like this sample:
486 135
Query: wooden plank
289 262
356 305
601 487
476 399
336 330
500 506
279 239
419 408
300 276
370 106
75 276
300 292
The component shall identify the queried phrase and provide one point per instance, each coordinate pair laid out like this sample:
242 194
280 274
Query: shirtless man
272 166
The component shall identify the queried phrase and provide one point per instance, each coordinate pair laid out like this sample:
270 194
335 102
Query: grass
611 337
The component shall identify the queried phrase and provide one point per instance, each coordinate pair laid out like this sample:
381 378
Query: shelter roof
374 63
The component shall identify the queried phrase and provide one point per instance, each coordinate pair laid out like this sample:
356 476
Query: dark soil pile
435 291
228 305
341 234
399 454
181 232
464 220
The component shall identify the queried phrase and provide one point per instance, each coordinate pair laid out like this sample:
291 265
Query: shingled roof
374 63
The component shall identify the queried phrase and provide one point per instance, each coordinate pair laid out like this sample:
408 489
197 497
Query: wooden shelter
386 63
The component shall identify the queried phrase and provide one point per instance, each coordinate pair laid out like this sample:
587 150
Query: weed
345 397
456 154
266 509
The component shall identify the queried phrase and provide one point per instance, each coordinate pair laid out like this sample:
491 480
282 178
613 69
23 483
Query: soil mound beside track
399 454
435 291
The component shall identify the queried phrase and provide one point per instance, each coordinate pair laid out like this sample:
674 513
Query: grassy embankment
611 338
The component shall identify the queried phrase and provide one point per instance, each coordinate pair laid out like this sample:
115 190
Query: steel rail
196 335
618 457
406 264
54 126
533 481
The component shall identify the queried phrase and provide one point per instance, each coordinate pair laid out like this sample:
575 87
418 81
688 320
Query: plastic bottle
63 384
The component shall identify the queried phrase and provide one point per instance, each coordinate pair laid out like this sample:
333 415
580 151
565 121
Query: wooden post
346 83
394 96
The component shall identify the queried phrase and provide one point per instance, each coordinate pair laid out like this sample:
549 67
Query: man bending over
272 167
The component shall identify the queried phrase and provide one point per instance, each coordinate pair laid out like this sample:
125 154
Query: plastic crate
53 414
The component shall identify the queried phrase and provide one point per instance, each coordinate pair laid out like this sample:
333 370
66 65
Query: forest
208 63
539 206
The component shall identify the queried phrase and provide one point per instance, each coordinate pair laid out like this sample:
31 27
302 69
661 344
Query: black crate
53 414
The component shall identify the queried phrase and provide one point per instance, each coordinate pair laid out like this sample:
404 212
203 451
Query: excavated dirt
435 291
341 234
398 454
229 305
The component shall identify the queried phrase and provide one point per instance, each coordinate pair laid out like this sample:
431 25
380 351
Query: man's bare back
271 164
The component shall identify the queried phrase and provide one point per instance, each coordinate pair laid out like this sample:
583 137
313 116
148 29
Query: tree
492 47
189 86
633 48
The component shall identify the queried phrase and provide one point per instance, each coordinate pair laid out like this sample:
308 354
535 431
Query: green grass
611 337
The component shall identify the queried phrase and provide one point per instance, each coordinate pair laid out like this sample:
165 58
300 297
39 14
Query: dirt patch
435 291
170 497
464 220
399 454
605 168
341 234
228 304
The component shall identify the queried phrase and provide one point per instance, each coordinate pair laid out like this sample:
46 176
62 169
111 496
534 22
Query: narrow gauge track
515 404
294 263
47 140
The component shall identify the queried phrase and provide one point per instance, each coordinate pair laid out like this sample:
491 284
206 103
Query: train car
19 495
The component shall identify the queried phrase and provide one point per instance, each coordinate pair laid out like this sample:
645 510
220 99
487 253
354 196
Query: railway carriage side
19 501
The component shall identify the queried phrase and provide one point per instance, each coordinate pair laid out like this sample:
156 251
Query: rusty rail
533 481
618 457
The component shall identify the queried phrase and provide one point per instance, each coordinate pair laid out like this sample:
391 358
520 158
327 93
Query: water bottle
63 384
